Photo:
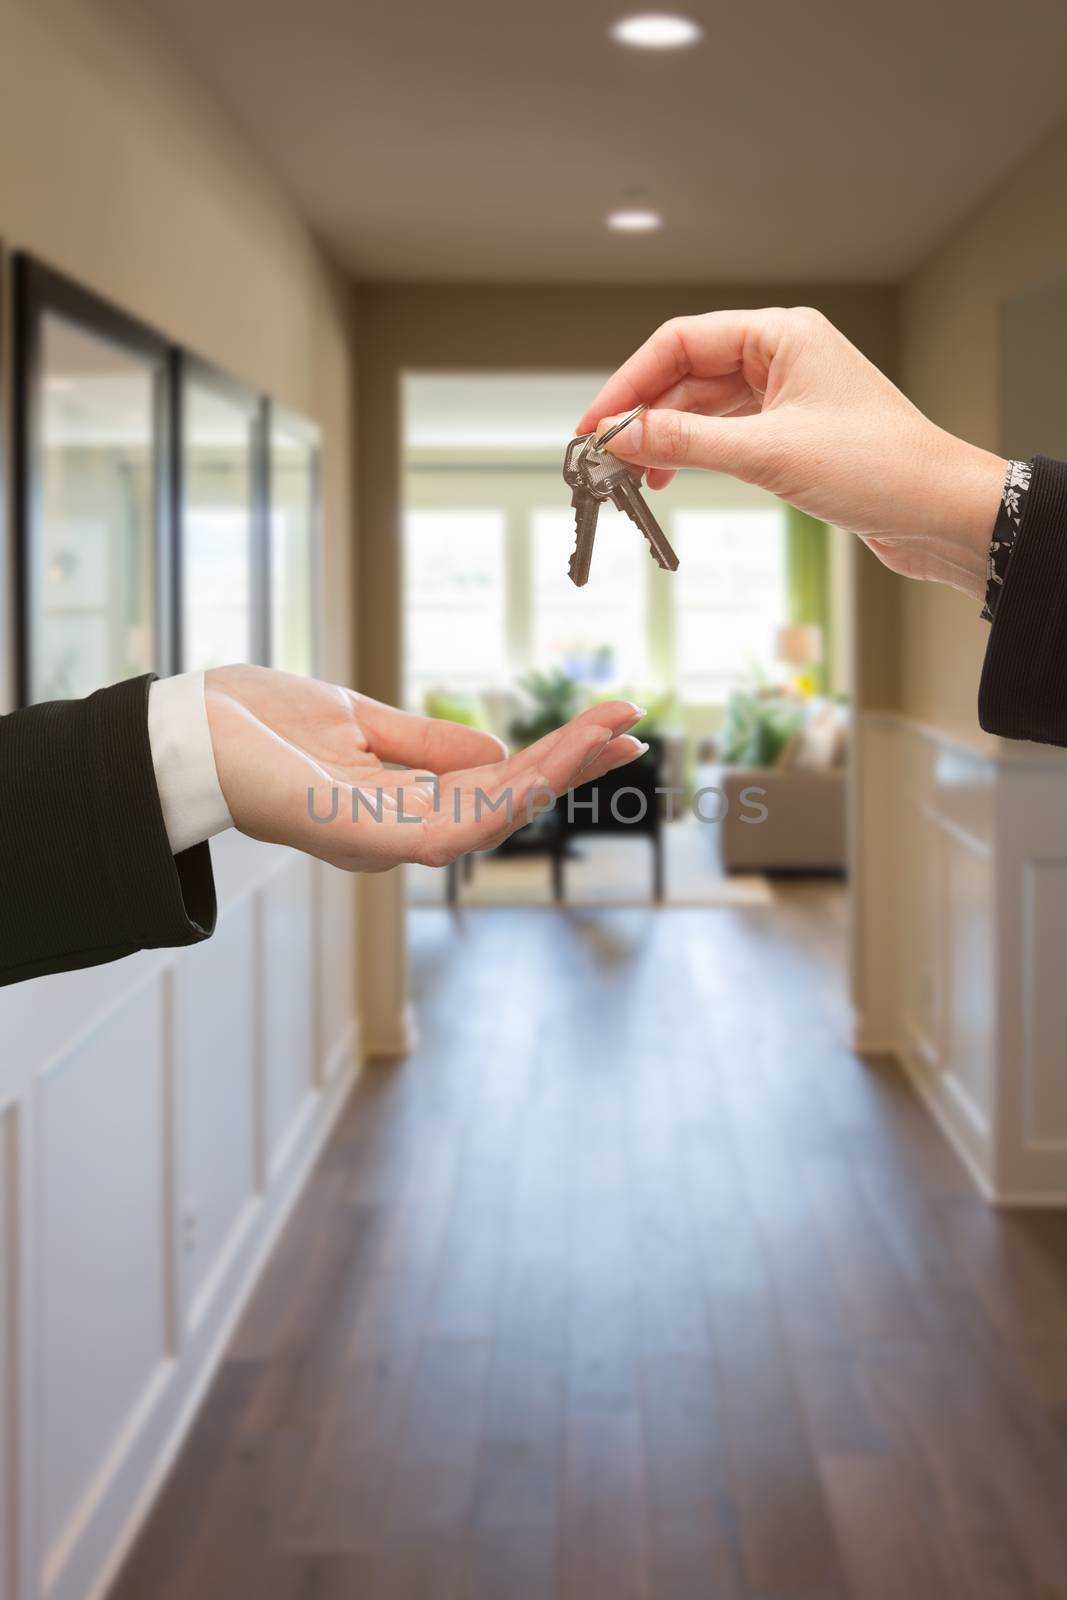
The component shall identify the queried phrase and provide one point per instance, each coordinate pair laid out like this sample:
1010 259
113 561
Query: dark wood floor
634 1282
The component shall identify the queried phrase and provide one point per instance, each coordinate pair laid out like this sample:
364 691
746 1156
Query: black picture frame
282 419
189 369
9 611
39 291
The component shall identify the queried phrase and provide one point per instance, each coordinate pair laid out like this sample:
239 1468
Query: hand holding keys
594 475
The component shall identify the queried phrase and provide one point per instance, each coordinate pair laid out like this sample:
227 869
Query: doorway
742 658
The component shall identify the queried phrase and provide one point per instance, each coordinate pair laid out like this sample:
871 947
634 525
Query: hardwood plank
886 1547
520 1562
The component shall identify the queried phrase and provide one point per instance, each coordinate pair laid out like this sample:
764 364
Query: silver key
608 478
586 513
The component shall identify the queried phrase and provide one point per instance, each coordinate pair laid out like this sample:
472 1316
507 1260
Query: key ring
619 426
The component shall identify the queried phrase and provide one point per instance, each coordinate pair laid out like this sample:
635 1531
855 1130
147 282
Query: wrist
965 492
227 721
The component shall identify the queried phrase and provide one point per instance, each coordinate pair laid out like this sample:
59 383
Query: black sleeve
1023 693
86 870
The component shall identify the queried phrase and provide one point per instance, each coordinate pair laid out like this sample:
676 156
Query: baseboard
881 1041
398 1037
875 1039
936 1108
878 1042
290 1187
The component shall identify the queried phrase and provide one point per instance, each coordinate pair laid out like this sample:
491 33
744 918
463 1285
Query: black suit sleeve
86 870
1023 693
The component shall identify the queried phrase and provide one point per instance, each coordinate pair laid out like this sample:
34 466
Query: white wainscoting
960 964
157 1119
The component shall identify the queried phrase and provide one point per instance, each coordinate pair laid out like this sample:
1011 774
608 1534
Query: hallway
633 1281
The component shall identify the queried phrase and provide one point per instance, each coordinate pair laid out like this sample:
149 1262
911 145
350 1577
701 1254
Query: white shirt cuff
194 806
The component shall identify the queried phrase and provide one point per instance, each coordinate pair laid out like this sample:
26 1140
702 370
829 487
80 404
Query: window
732 600
456 599
94 521
294 519
220 611
596 633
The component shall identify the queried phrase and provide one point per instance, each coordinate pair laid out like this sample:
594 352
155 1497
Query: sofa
802 787
805 829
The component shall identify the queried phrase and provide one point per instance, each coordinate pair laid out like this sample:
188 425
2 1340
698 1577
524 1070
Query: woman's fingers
615 716
479 815
710 397
577 759
616 753
672 439
535 793
434 824
710 346
554 757
428 742
577 747
445 750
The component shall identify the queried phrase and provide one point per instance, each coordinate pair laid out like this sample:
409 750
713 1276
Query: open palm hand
366 787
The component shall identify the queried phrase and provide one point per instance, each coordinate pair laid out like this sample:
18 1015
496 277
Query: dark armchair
620 802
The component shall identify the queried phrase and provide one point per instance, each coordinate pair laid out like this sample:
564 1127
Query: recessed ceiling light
656 30
634 221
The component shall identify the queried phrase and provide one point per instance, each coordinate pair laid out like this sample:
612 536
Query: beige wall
119 169
583 328
1016 238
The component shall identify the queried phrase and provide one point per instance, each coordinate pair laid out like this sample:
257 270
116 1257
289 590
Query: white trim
969 841
332 1102
935 1105
955 949
399 1039
976 746
1031 1066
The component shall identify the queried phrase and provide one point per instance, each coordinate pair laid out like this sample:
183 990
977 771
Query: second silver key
608 478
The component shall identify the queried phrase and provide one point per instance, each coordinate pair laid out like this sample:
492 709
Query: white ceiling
482 140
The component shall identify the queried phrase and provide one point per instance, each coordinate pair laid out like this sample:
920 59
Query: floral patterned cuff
1005 532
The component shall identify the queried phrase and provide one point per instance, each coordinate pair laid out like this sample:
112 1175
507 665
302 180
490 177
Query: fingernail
641 748
600 745
629 441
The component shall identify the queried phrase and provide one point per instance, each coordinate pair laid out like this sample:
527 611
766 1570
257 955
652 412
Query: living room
744 671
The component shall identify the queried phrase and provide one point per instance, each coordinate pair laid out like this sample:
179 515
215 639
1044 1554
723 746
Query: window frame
40 291
189 369
310 434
